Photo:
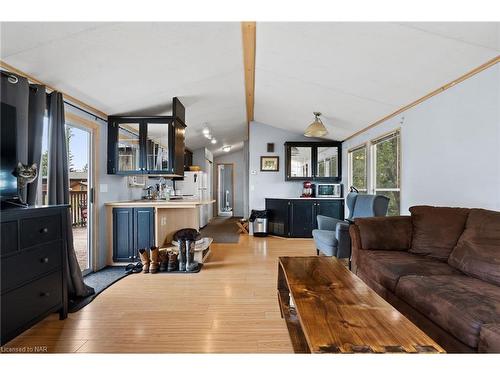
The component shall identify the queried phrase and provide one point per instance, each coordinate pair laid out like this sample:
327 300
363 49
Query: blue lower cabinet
297 217
133 229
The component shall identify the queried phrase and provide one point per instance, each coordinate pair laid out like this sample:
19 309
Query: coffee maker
307 190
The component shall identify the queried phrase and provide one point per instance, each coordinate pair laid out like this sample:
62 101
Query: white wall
450 146
270 184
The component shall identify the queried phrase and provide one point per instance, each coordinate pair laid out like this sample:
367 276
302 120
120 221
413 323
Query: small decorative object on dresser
269 163
33 249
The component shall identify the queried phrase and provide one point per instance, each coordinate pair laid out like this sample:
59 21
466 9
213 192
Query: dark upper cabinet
317 161
188 159
145 145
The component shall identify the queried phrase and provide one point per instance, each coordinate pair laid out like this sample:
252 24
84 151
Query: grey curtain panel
30 103
58 189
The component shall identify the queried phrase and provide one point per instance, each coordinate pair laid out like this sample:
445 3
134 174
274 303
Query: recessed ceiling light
226 148
213 141
206 131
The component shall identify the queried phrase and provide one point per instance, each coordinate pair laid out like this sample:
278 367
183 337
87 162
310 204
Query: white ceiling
139 67
357 73
354 73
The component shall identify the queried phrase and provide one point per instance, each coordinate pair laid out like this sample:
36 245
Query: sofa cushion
478 250
436 230
386 267
459 304
489 339
385 233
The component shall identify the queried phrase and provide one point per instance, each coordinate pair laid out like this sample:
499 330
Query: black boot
191 265
181 257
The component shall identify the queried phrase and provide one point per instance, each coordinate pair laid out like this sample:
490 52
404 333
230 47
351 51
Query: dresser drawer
8 237
38 230
26 304
28 265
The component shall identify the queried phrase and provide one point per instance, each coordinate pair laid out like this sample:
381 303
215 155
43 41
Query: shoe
191 264
172 261
155 260
144 260
181 256
163 260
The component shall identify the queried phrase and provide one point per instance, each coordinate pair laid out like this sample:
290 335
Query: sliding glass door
81 189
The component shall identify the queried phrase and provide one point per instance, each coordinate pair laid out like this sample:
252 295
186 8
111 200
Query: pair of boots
186 256
168 261
150 263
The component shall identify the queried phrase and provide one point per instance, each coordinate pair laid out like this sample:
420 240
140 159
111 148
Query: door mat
100 281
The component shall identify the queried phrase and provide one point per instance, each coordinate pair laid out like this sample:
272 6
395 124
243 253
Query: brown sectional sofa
440 267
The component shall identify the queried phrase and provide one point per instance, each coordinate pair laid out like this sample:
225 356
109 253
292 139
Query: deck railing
78 211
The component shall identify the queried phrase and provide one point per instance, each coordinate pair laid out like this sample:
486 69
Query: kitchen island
136 224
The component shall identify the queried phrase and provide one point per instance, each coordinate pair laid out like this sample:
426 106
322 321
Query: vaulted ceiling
354 73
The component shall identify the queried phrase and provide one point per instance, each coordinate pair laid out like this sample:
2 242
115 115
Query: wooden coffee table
328 309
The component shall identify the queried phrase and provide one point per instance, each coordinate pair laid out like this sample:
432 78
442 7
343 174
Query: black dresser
33 280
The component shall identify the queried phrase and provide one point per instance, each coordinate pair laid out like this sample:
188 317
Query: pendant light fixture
316 128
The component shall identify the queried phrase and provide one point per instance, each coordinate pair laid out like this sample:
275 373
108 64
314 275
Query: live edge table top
334 311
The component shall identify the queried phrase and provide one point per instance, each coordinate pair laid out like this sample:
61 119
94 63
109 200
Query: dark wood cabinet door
123 238
178 147
301 218
143 229
331 208
277 216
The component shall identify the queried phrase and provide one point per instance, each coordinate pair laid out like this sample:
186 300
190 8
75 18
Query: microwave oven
328 190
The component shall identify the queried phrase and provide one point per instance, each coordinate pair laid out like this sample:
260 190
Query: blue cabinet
297 217
133 229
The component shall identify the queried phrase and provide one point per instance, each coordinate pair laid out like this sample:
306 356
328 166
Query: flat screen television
8 163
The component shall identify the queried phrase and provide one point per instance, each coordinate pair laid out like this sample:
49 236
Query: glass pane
78 141
394 202
301 162
387 163
328 162
358 173
157 146
128 147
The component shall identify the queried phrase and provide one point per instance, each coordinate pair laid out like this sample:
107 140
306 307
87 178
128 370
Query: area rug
99 280
222 230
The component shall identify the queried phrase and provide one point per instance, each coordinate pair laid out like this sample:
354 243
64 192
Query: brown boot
155 259
172 261
163 260
144 260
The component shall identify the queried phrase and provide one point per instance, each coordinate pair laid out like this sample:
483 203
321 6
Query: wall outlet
163 221
103 188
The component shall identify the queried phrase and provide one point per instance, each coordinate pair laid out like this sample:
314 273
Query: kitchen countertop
178 203
313 198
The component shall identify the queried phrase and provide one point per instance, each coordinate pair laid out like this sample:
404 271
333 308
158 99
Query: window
386 170
357 169
382 155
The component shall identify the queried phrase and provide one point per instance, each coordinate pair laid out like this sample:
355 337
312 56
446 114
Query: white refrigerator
195 186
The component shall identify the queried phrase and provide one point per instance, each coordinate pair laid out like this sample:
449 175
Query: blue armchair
332 236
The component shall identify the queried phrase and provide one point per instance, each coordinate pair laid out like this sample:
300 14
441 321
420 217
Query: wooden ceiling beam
248 33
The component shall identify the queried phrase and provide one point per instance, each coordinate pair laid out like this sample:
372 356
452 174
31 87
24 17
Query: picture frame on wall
269 163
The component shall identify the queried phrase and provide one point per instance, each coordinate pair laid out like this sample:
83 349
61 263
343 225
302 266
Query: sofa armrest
489 338
385 233
327 223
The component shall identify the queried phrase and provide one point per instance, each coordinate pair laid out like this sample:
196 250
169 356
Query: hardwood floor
229 307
